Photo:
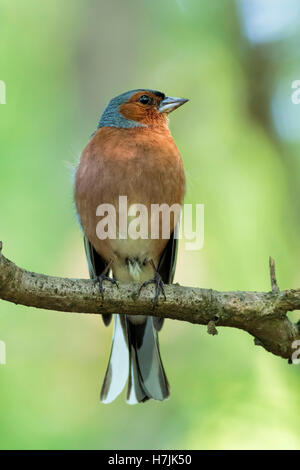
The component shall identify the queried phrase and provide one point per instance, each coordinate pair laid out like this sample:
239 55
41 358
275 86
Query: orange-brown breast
141 163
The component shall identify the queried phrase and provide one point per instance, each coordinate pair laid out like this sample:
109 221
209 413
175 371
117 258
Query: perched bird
132 154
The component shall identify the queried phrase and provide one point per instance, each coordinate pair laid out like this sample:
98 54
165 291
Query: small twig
211 328
274 284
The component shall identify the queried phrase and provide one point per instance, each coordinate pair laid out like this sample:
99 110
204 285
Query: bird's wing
166 268
96 265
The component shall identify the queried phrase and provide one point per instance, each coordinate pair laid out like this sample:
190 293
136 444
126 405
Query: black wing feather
96 265
166 269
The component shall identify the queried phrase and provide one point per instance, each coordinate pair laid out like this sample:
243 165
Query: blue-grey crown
112 117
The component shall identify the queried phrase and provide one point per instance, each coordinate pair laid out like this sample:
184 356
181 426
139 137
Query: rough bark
262 314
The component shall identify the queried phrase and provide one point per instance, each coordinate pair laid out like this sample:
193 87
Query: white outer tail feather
139 364
119 362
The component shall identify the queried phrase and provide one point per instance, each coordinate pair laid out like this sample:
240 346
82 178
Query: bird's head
139 108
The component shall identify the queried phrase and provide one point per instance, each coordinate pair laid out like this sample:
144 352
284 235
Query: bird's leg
103 277
159 285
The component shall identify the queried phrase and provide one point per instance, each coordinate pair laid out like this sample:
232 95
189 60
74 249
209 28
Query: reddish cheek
132 112
137 113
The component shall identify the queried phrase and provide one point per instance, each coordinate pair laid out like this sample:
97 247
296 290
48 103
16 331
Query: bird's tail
134 356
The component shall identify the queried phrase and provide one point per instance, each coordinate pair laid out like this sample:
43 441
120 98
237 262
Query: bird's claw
159 287
104 277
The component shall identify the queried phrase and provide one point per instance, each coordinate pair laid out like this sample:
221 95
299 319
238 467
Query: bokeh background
239 137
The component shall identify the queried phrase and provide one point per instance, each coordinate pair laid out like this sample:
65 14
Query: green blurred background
239 137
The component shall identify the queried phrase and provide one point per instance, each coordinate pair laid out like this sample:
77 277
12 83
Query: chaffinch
132 154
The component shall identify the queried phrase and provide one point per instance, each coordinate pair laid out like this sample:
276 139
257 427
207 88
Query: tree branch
262 314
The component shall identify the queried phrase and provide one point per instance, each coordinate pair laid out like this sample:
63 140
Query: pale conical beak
170 103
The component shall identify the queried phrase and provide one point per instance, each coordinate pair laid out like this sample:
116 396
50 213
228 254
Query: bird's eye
144 99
